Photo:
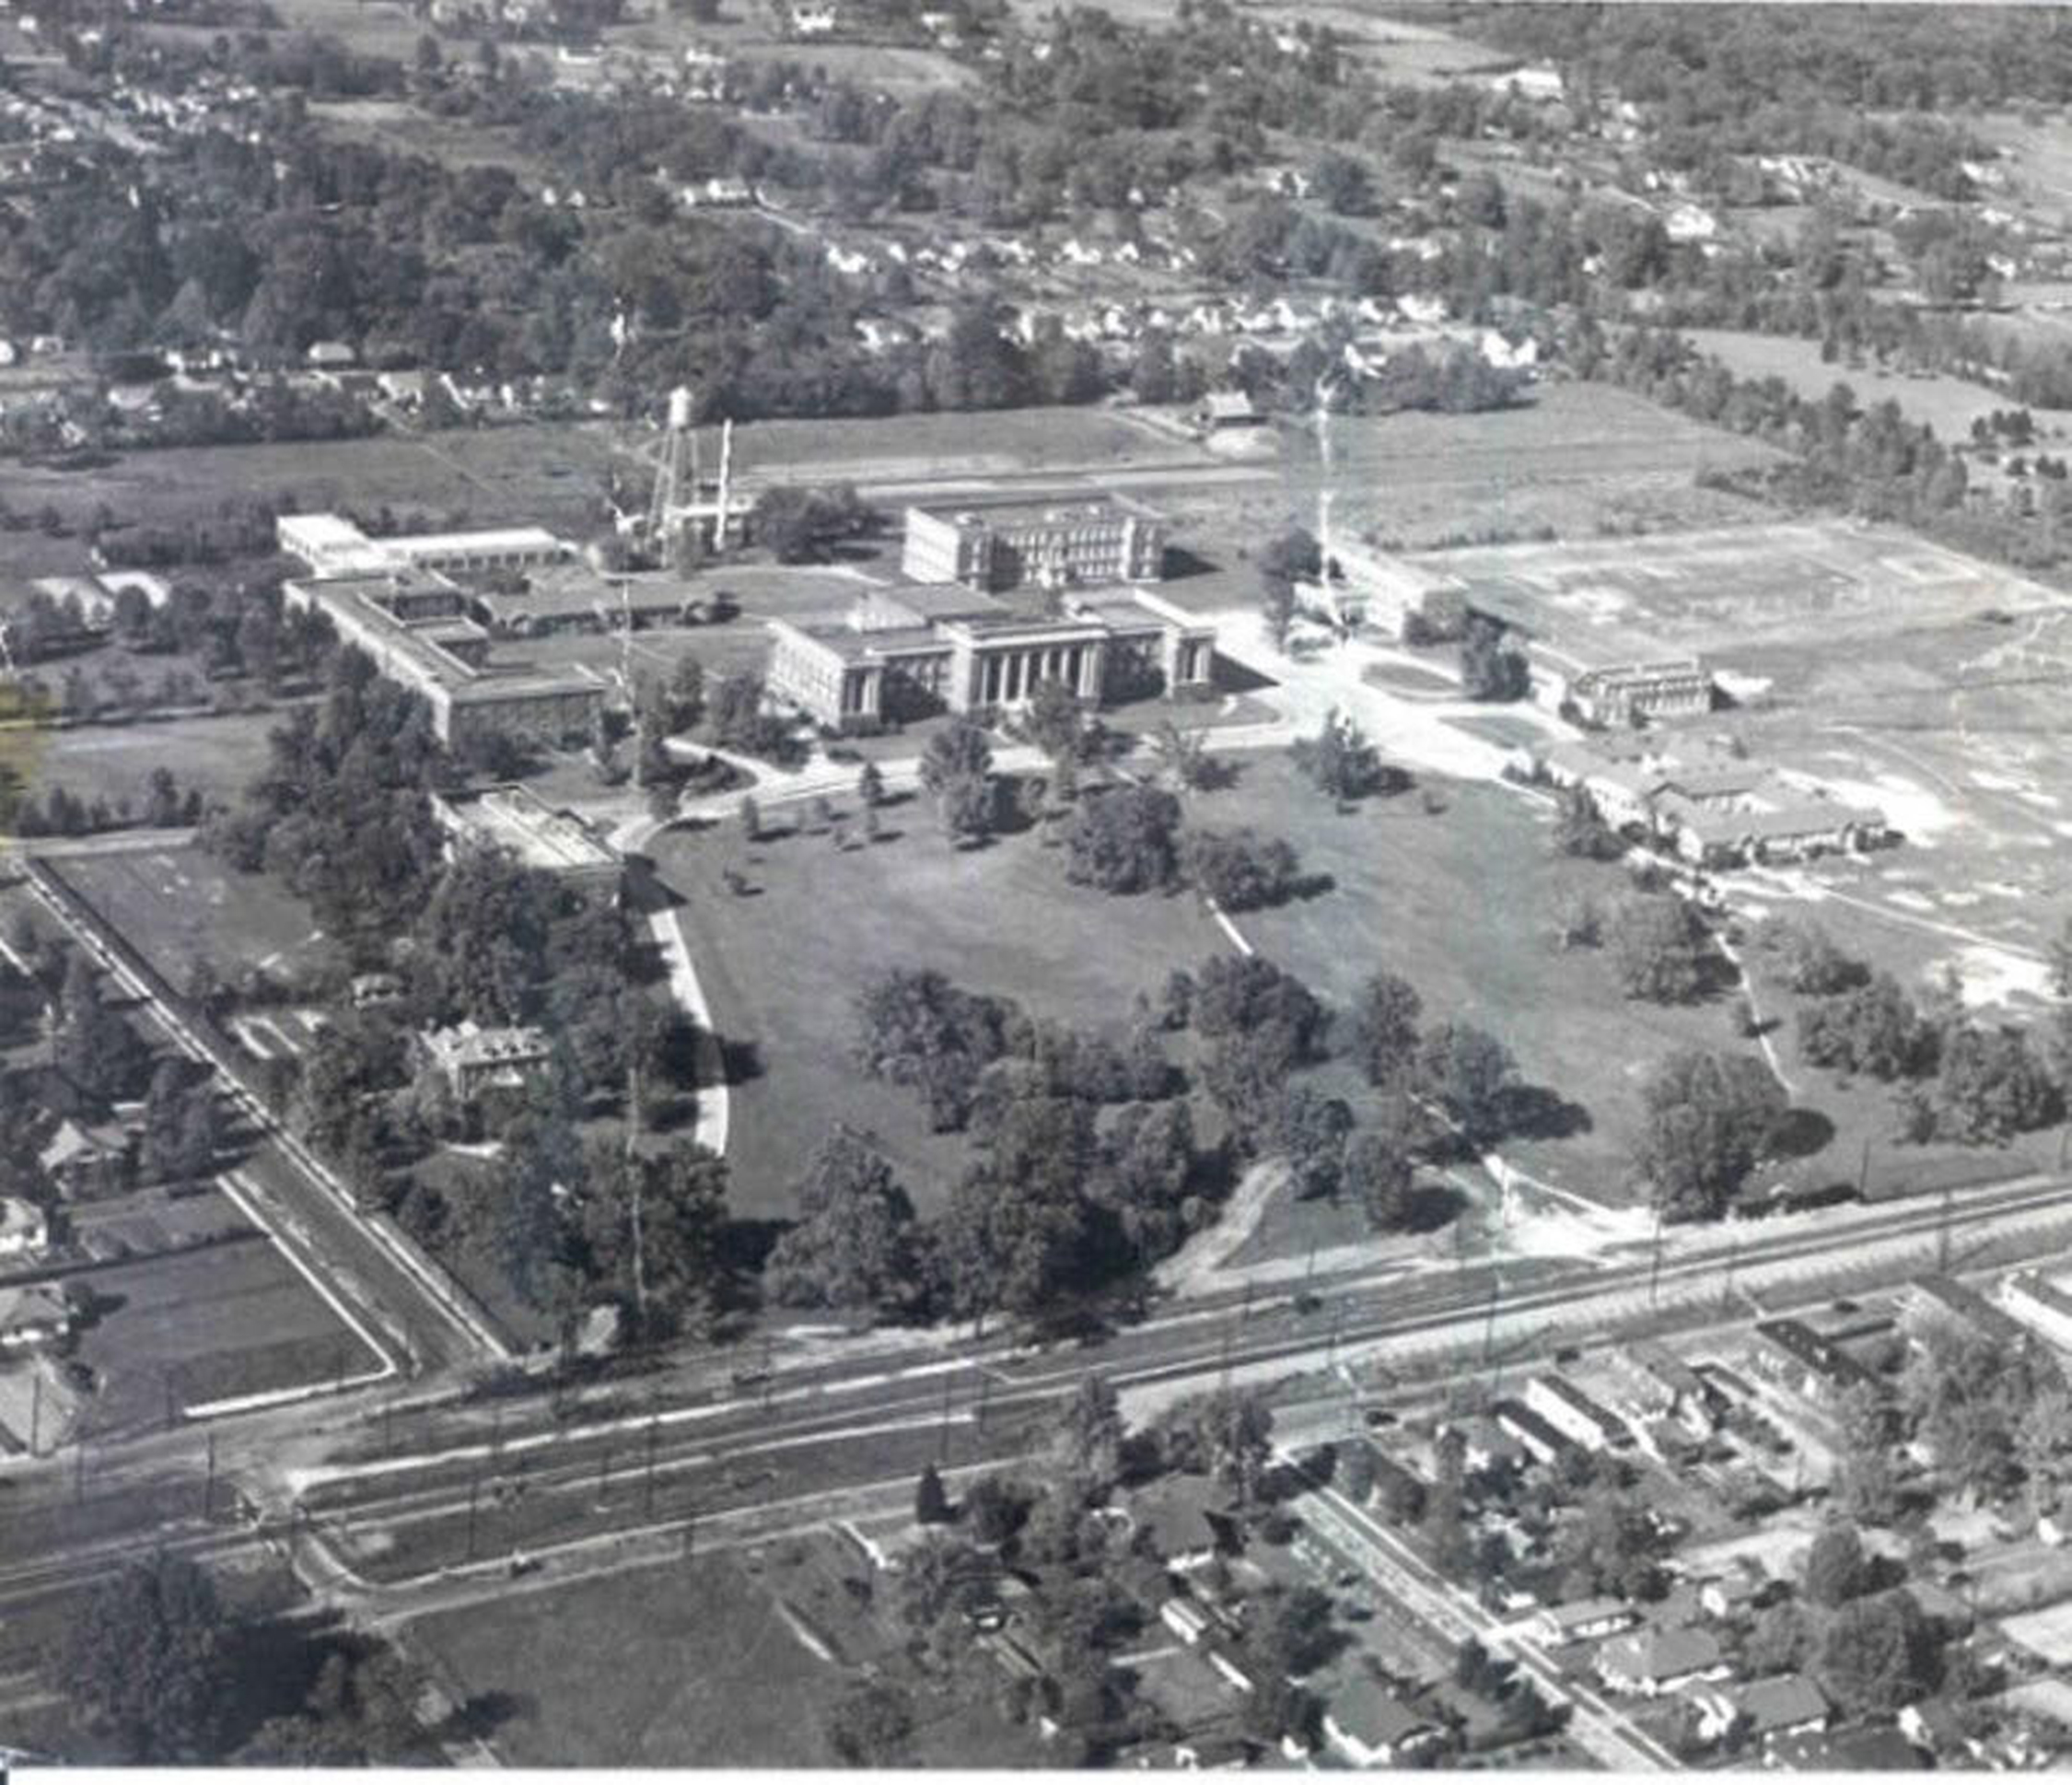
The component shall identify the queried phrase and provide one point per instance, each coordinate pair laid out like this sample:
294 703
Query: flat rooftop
364 599
539 835
1059 510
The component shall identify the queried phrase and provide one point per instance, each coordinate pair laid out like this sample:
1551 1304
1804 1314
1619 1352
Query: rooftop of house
1371 1714
1879 1749
1578 1614
31 1306
1784 1701
1656 1653
20 1221
469 1043
1182 1515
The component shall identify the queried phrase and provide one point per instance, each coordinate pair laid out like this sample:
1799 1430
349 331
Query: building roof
33 1305
1800 1342
540 835
1784 1701
1565 1392
1938 1294
1659 1654
1528 1424
1181 1515
493 539
469 1043
1371 1714
1881 1749
20 1219
74 1144
1580 1613
1013 512
2044 1290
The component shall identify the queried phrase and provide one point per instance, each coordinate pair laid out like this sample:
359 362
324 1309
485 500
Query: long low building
907 652
333 547
550 839
415 627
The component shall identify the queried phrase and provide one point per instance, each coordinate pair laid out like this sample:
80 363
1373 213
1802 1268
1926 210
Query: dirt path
1194 1268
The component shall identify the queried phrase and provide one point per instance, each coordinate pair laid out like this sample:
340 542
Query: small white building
25 1230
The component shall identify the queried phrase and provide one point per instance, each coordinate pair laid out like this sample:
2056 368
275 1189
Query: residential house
1372 1727
1879 1749
474 1059
81 1159
1736 1594
1581 1620
1758 1711
1791 1354
2040 1304
1572 1413
1940 1305
1660 1385
1187 1620
34 1315
1934 1726
1648 1661
1546 1442
1486 1447
25 1230
331 355
1183 1522
1222 409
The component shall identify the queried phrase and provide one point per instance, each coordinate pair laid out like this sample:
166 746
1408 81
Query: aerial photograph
983 885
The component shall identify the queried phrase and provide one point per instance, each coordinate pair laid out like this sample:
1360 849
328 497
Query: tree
931 1503
854 1245
1872 1028
1708 1118
1657 948
1122 841
1469 1074
870 785
1227 1433
1379 1175
870 1724
147 1661
914 1028
1837 1568
1339 760
994 1508
1053 720
1580 829
1292 1633
957 768
1087 1444
1343 183
1310 1131
1277 606
1385 1027
1863 1488
1991 1087
1241 870
1492 667
751 819
1880 1653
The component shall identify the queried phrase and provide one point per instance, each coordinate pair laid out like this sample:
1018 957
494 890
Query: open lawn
178 906
1575 461
782 966
546 474
201 1326
691 1666
894 448
456 143
1947 404
1462 903
218 755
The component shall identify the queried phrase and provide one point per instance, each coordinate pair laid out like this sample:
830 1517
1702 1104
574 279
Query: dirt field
1729 591
179 906
1947 404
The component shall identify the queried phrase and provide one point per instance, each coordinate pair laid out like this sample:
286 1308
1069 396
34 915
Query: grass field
177 907
1578 461
691 1666
1947 404
893 448
1462 905
456 143
200 1326
781 968
546 474
216 754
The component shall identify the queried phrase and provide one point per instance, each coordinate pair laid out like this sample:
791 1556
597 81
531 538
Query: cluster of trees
801 525
1492 665
1989 1082
158 1667
58 813
1707 1119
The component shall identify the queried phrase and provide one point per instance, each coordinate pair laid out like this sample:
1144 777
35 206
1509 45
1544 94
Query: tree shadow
1540 1113
1433 1207
486 1712
1800 1133
1232 677
745 1243
740 1062
1310 886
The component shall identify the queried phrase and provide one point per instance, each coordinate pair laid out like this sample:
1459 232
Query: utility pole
942 1429
635 1171
1489 1324
1654 1269
1942 1231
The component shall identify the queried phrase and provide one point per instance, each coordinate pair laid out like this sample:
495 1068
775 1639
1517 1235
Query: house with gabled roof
1652 1661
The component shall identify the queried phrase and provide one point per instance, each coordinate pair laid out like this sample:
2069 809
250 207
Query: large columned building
905 652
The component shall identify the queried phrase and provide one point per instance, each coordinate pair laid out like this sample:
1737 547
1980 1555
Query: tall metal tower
681 497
